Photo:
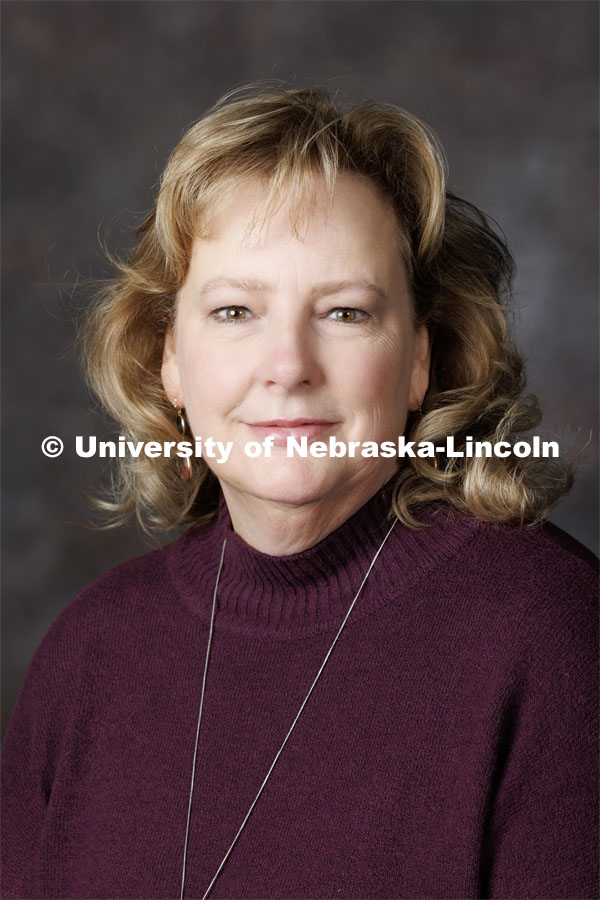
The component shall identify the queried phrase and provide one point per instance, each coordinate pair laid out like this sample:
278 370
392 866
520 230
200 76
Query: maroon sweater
449 749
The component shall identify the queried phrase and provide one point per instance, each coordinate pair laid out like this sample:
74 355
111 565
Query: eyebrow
324 289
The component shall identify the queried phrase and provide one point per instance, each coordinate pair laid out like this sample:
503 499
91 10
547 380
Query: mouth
282 429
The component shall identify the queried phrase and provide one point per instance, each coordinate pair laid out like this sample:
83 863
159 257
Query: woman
354 675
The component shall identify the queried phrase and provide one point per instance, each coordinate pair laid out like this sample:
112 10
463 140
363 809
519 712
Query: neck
282 529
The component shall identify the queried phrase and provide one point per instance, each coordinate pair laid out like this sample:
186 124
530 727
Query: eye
231 314
347 314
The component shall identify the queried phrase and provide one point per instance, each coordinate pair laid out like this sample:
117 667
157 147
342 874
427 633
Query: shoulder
532 554
134 600
515 583
536 585
129 599
102 641
515 612
538 561
505 555
134 583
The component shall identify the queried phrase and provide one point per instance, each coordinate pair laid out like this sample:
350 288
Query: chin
293 484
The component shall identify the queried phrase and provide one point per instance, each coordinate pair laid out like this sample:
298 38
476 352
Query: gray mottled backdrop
95 94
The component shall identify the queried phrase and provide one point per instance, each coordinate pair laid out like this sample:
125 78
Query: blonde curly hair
459 269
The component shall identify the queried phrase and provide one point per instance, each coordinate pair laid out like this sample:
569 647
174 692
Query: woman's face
298 331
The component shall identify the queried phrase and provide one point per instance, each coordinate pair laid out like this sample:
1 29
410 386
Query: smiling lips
281 429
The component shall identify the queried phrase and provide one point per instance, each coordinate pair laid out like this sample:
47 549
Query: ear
419 379
170 371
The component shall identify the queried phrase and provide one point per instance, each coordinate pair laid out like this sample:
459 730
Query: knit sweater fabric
448 750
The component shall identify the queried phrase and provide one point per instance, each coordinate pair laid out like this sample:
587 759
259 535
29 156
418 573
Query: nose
289 357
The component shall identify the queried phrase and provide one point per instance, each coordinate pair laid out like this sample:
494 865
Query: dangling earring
184 463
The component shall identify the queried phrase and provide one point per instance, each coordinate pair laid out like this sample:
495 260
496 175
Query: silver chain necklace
293 725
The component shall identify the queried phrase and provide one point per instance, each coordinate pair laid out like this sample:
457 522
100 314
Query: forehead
351 230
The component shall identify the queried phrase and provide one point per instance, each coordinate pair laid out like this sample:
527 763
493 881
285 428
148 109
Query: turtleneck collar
308 592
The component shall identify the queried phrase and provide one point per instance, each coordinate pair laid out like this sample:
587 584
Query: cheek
212 381
378 377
